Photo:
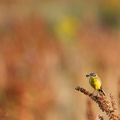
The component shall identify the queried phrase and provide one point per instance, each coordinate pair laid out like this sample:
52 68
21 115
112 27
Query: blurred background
47 48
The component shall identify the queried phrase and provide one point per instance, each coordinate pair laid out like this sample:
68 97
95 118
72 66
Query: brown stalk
103 103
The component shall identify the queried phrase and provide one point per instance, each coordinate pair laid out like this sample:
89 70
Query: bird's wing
100 82
99 79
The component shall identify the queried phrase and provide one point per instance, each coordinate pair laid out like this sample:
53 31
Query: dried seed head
103 104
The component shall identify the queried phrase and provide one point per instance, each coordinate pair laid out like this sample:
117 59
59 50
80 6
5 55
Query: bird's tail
101 91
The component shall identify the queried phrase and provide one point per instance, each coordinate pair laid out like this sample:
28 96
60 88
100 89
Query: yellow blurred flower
67 27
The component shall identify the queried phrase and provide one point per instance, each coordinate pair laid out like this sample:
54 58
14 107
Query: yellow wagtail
95 82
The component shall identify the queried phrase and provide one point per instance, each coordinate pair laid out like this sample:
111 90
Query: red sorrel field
46 50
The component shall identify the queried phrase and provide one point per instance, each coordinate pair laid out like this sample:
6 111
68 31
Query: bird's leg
93 91
98 93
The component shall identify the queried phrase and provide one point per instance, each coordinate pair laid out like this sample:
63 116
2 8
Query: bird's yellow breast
95 82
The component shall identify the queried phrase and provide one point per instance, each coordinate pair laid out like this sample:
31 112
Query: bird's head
92 75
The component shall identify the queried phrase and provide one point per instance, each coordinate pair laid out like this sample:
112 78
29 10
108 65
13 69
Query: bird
96 83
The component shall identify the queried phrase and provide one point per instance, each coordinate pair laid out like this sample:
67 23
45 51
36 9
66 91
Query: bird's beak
87 75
